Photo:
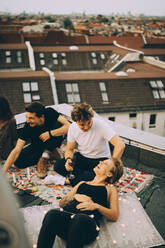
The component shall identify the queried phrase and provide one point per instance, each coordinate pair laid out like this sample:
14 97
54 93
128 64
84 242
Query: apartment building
122 84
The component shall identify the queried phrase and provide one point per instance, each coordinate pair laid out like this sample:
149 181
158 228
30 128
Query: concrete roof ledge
130 135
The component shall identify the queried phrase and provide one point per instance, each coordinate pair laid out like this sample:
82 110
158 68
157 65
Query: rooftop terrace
144 152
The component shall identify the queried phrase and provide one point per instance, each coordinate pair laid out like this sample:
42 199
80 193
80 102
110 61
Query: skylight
158 89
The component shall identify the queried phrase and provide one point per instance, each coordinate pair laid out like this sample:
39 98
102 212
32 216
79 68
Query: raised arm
119 146
62 130
56 132
14 154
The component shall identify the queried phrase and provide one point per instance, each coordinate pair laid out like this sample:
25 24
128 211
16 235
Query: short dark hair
35 107
5 110
82 112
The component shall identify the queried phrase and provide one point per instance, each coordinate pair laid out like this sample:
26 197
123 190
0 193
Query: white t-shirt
95 142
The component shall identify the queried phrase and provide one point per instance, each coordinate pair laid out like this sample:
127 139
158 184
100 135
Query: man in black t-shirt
43 130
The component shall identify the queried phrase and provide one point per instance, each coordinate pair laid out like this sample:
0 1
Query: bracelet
50 134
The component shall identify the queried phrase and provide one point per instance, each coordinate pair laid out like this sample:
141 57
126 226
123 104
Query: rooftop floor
153 200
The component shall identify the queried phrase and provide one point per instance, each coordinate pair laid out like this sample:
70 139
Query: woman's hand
86 202
85 206
82 198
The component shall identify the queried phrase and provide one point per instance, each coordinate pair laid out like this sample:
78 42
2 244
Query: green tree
105 20
68 23
47 27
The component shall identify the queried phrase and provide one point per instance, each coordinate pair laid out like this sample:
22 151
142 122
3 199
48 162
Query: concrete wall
135 157
141 121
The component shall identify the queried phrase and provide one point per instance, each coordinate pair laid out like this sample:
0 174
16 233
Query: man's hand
69 165
44 136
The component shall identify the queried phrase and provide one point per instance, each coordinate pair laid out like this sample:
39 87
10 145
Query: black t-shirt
31 134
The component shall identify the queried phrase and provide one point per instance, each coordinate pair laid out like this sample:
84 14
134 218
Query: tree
68 24
47 26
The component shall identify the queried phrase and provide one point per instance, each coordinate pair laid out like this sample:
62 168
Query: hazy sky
147 7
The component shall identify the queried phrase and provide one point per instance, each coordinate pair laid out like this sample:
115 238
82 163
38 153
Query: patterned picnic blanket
26 179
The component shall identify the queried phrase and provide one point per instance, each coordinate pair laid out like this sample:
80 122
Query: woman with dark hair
79 220
8 133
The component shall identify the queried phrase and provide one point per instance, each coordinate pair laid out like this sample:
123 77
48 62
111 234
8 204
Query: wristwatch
50 134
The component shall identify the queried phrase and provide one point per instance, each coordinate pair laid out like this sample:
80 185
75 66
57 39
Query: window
64 61
19 57
8 57
26 86
132 115
94 61
8 53
93 55
19 53
104 94
102 86
27 98
42 62
72 92
34 86
8 60
102 56
111 118
55 61
41 55
152 120
54 55
30 91
158 89
63 55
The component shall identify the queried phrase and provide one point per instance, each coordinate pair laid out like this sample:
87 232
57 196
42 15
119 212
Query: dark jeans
31 153
83 168
77 231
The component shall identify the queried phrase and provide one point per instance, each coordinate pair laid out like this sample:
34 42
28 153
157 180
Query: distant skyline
104 7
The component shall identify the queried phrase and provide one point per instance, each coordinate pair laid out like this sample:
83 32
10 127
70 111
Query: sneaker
42 168
54 179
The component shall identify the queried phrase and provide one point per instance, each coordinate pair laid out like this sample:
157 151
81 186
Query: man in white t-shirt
92 136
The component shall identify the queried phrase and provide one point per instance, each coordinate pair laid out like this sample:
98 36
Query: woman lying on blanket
78 220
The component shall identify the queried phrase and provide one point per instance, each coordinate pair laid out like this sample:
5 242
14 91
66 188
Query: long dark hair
5 110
